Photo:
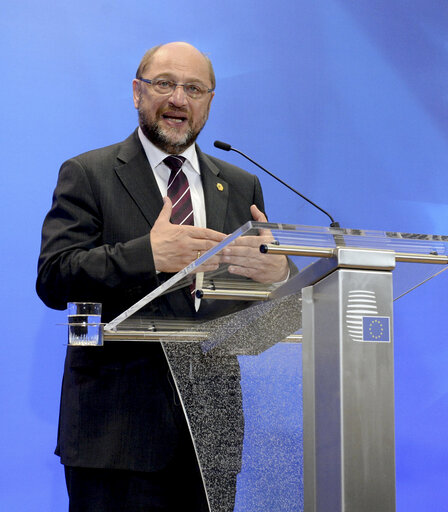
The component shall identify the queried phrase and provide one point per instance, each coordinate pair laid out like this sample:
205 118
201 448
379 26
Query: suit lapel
216 192
137 177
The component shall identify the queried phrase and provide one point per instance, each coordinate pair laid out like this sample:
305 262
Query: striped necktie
179 192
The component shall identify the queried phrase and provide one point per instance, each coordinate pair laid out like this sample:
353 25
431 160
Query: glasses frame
175 86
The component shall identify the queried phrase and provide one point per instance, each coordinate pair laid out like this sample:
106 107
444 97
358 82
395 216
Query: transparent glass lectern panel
406 276
241 389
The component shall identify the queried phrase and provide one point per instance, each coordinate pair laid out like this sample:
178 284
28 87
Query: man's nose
178 96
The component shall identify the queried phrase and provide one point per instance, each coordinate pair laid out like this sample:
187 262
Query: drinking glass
84 324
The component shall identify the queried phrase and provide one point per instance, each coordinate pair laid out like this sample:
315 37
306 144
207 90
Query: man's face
173 121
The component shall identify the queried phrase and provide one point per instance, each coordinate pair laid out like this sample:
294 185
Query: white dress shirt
192 172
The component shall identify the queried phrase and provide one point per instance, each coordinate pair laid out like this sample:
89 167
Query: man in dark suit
108 238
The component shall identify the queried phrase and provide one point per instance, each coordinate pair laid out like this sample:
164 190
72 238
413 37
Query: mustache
180 110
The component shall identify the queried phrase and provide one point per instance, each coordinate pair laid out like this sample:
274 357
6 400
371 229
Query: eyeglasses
164 86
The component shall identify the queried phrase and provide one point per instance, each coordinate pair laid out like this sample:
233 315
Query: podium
288 388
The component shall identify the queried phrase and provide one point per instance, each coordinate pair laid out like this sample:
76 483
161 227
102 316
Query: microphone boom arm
227 147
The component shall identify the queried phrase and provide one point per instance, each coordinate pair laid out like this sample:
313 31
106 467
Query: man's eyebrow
170 76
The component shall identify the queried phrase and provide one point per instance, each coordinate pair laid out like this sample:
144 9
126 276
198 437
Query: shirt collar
156 156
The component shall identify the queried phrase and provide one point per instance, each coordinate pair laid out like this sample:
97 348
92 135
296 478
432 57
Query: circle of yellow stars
378 327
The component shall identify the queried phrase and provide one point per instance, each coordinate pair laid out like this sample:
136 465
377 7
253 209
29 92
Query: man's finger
257 215
205 267
205 234
165 212
248 242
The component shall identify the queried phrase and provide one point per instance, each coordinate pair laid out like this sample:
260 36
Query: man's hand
245 258
175 246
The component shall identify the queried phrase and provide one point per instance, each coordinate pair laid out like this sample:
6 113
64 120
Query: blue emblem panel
376 329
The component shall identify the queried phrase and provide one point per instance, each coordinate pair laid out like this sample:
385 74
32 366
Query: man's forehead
179 59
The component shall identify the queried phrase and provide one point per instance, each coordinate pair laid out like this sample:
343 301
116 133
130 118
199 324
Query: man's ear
212 95
136 92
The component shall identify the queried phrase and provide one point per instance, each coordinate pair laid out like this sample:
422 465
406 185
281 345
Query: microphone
227 147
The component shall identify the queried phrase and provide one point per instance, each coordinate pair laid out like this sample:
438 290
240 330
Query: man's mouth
175 118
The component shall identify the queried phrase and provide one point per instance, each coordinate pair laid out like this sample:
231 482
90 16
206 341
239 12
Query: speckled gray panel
253 330
219 395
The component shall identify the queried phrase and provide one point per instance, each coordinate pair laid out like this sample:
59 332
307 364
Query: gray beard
153 133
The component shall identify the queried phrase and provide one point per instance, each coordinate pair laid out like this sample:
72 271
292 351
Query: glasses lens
163 86
194 90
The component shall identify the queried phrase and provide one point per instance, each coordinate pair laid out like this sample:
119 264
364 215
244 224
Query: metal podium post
348 382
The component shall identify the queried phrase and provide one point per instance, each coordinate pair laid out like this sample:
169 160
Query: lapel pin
219 187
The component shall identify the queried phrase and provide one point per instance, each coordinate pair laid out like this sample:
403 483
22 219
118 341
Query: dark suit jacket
116 405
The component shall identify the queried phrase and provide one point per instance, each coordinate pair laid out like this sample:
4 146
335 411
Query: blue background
347 100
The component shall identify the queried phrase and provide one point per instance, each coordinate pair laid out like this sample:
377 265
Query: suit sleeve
76 263
258 196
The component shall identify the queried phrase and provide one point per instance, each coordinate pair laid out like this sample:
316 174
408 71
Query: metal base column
348 388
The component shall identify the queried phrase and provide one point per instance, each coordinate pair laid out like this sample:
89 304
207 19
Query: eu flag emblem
376 329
